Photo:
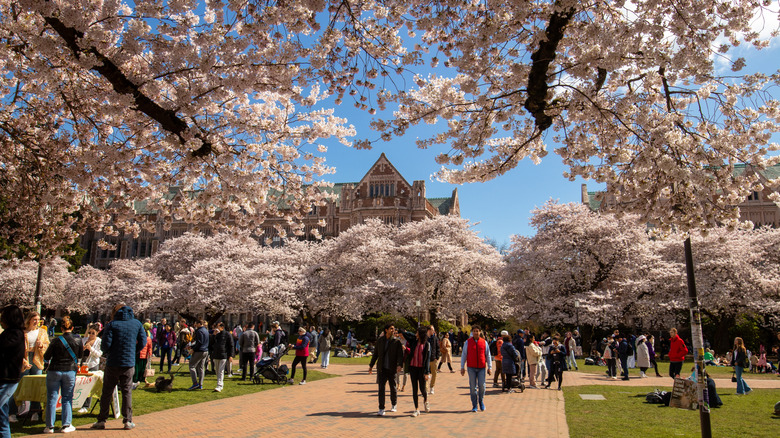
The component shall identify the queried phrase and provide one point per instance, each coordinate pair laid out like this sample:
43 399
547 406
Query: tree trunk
434 319
720 342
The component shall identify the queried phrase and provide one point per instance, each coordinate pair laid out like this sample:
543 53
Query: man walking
122 337
435 356
624 351
389 354
247 344
476 355
200 355
222 352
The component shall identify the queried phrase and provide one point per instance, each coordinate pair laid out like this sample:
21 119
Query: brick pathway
346 405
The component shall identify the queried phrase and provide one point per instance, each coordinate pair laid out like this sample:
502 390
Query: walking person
498 358
121 338
435 355
557 363
677 352
476 355
651 352
200 355
642 356
570 345
248 343
445 346
12 361
222 353
326 340
389 355
166 339
510 362
183 339
62 355
624 351
533 356
301 348
610 357
419 366
739 361
519 343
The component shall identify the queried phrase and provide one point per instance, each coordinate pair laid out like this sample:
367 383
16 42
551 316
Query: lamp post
419 312
577 313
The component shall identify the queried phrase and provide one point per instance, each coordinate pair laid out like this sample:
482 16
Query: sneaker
135 385
427 407
83 410
381 413
100 425
12 419
393 409
481 406
129 425
48 430
217 389
291 381
474 409
194 387
431 390
67 429
303 382
34 417
416 414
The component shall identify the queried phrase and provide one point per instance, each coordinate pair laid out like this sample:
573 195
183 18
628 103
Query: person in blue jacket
122 337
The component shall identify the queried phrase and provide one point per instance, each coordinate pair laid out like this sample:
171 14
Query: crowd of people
123 348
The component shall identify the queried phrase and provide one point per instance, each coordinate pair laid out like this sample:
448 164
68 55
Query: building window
753 196
380 190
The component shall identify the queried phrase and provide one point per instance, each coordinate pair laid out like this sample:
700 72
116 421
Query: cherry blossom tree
18 282
446 266
350 275
135 284
88 291
576 255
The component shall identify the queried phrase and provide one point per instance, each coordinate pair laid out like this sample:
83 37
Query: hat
147 326
641 338
504 333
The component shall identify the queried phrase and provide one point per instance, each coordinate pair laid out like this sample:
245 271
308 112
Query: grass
663 368
147 400
625 412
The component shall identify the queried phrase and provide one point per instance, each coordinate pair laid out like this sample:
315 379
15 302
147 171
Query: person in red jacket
476 354
677 352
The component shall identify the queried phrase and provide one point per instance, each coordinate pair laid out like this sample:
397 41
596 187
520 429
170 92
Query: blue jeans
57 381
6 393
476 385
571 361
325 358
742 386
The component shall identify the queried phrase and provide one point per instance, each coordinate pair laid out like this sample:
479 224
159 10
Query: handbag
734 377
149 371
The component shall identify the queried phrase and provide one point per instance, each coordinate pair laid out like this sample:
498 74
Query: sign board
684 395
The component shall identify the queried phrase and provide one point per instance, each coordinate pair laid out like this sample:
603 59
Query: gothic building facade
382 193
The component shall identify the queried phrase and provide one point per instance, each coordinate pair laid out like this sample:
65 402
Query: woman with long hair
63 356
325 342
37 342
419 366
739 361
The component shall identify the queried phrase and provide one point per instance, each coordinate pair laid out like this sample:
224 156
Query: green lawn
663 368
625 413
147 400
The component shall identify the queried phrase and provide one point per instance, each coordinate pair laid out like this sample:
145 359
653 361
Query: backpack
656 397
630 349
493 348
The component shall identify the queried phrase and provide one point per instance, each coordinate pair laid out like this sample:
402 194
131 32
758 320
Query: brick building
382 193
757 208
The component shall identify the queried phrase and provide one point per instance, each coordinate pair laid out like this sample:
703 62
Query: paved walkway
346 406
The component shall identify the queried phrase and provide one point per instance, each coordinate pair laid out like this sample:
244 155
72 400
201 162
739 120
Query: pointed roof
383 160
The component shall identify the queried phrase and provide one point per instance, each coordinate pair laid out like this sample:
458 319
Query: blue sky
501 207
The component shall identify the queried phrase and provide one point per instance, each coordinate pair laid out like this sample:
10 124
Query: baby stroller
516 383
268 368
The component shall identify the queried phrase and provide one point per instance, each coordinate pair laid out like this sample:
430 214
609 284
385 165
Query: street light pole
577 313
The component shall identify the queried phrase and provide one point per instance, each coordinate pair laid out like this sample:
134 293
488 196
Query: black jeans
417 375
165 351
123 378
624 364
299 360
508 382
612 367
247 359
655 365
674 369
386 377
